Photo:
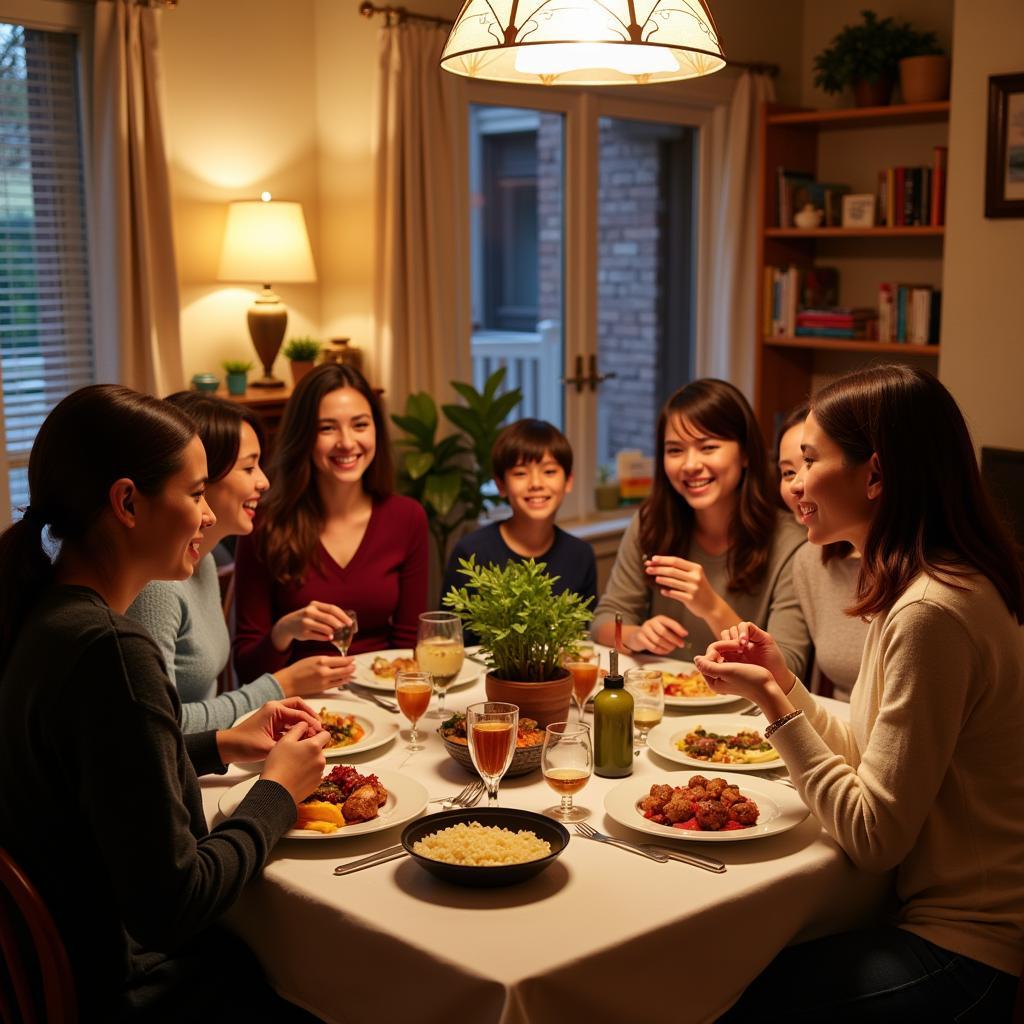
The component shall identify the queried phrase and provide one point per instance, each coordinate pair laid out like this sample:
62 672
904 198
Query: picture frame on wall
1004 160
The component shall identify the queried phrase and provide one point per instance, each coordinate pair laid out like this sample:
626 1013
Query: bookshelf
846 146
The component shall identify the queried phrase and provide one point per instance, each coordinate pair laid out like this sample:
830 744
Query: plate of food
685 687
347 803
352 730
377 669
707 808
733 742
529 741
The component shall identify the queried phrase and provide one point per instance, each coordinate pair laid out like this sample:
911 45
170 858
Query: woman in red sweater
331 536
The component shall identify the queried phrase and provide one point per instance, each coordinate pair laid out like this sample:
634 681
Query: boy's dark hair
527 440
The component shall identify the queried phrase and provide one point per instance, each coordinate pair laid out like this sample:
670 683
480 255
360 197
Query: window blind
46 345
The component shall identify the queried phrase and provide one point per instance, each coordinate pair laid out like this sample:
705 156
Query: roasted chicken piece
361 805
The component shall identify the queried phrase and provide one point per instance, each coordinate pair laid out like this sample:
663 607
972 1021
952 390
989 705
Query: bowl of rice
485 846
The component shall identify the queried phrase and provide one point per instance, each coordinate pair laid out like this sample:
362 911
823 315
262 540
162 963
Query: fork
697 860
470 796
369 695
589 832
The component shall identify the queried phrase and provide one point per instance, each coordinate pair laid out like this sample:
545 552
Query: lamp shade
266 242
583 42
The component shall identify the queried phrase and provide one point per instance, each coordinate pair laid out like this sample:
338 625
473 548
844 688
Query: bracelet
780 722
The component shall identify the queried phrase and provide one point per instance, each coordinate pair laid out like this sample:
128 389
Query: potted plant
302 353
865 57
238 375
606 493
524 630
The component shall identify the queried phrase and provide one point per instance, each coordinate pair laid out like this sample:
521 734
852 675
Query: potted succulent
302 353
524 630
866 56
238 375
606 493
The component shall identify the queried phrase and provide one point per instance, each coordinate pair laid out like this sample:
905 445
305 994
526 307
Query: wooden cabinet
850 147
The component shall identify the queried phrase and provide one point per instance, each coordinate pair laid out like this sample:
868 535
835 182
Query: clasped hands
748 663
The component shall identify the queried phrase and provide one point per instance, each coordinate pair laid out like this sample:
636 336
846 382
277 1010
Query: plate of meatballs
717 808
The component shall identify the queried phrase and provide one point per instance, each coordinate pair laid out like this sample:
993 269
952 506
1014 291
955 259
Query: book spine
934 316
885 312
898 205
890 197
901 313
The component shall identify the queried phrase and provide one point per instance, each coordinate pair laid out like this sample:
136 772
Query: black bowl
505 874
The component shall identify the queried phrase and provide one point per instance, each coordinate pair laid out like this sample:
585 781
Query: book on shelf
794 193
913 196
909 313
803 302
836 322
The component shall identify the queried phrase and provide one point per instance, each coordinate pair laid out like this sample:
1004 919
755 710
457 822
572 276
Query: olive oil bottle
613 726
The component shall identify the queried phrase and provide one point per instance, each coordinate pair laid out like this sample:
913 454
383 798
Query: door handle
596 378
579 380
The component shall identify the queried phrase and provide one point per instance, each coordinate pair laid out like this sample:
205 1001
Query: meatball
697 781
714 788
730 795
705 747
659 796
711 815
744 811
696 793
679 808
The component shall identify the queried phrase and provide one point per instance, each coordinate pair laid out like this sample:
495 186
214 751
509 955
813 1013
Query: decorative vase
205 382
300 367
543 702
606 496
872 94
237 382
808 217
924 79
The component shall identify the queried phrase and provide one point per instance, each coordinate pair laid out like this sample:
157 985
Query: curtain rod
396 15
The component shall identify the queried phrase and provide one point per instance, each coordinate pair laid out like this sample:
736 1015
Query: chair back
36 984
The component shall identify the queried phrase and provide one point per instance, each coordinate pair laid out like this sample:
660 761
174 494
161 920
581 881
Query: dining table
600 935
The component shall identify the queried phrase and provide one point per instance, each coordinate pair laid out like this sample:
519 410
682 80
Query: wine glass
440 652
412 691
584 678
491 727
342 638
648 692
567 760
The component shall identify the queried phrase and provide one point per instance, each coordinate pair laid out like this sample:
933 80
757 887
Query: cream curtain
727 348
135 280
422 218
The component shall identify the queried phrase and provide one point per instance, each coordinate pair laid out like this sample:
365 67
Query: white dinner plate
662 740
407 799
469 673
379 726
780 809
684 668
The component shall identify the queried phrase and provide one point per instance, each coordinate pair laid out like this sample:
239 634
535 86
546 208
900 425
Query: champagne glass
567 760
584 678
648 692
343 635
440 652
412 691
491 727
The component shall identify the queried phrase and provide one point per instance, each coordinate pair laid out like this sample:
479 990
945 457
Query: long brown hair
934 514
219 424
292 517
667 521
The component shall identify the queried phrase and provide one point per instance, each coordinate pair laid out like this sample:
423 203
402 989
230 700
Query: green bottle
613 729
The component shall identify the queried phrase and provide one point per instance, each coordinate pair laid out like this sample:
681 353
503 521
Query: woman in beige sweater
928 777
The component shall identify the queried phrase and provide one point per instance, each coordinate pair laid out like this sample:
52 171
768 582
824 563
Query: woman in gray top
708 547
185 617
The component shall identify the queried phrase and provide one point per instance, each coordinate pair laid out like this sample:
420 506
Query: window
46 346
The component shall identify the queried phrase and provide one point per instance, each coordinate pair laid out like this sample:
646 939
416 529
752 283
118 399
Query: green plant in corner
237 365
524 628
302 350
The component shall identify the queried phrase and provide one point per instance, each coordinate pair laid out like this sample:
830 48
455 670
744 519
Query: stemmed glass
491 727
412 691
440 652
343 635
648 692
567 760
584 678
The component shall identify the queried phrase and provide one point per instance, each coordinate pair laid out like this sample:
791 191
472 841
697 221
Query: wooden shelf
864 117
853 345
927 230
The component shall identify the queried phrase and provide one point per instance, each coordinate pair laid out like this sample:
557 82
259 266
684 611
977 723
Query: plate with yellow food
377 669
733 742
685 687
353 728
350 801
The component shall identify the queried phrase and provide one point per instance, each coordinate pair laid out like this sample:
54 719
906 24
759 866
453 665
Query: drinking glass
491 727
567 760
343 635
584 679
412 691
648 694
439 651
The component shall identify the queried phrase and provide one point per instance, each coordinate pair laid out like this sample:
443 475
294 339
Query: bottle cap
613 681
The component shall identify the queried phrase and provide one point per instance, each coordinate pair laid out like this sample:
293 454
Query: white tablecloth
601 935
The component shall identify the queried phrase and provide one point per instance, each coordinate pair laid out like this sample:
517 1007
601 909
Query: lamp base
268 319
266 382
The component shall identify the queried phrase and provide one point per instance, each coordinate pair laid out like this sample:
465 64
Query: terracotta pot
300 367
872 94
924 79
543 702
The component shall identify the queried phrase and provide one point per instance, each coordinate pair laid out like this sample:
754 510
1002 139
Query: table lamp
266 241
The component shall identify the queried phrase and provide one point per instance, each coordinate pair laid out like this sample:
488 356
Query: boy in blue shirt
532 463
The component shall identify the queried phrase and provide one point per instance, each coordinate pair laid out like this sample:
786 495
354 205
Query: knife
361 691
698 860
380 857
650 852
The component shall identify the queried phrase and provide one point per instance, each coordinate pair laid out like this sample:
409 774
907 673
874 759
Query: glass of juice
412 691
584 679
648 691
492 727
567 760
440 652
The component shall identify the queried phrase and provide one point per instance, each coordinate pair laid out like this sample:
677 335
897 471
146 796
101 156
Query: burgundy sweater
385 582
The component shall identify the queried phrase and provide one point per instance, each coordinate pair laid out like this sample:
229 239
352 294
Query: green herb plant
523 627
236 365
302 350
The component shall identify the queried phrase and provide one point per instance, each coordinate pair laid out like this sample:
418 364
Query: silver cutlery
380 857
589 832
470 796
361 691
697 860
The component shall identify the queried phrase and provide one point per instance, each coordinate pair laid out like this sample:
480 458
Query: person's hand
317 621
660 634
748 644
684 582
742 680
253 739
297 761
315 674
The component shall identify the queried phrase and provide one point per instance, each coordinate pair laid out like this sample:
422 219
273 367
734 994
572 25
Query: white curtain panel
422 218
727 348
135 281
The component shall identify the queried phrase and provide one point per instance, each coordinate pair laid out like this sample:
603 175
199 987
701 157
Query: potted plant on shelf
524 630
302 353
238 375
866 56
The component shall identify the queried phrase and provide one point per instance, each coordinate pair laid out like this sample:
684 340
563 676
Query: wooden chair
36 984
